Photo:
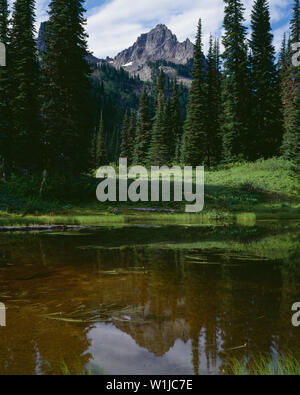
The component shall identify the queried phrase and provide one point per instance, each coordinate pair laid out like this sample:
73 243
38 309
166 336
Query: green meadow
242 192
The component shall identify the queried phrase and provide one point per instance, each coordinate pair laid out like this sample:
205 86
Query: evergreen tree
143 133
176 125
283 67
194 142
125 140
213 101
131 137
169 128
293 148
159 151
66 110
101 153
295 23
5 90
266 111
160 87
25 80
4 22
282 58
236 92
289 82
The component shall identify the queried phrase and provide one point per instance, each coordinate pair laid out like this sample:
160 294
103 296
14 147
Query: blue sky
114 25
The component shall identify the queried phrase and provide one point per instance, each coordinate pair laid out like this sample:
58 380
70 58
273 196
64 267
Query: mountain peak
160 26
158 44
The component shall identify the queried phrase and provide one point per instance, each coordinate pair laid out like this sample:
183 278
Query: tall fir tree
160 86
176 126
131 137
267 131
5 92
295 23
125 139
194 140
101 152
289 81
25 86
293 149
236 90
287 92
282 57
283 67
143 132
169 128
67 107
159 152
213 104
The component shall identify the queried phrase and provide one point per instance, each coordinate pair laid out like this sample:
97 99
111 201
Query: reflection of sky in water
117 353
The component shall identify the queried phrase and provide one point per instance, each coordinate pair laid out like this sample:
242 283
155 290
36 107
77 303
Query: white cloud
41 11
116 25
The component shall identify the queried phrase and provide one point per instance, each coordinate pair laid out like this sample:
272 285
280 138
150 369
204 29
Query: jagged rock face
159 44
41 46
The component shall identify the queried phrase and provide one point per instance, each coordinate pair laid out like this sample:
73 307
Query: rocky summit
159 44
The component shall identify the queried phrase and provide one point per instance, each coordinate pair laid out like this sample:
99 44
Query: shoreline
15 223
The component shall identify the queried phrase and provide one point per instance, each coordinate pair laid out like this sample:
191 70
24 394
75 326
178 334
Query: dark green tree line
143 131
101 150
66 105
176 126
267 127
289 81
194 141
5 90
26 122
213 104
159 151
236 90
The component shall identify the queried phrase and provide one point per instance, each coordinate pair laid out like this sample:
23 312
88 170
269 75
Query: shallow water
148 299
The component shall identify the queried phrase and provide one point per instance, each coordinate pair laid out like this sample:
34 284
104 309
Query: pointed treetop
199 44
295 22
161 81
4 22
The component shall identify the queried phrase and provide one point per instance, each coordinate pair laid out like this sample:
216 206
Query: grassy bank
239 192
263 366
259 366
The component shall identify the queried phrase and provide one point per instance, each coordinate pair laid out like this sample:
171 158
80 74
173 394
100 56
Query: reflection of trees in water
29 345
221 308
216 308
